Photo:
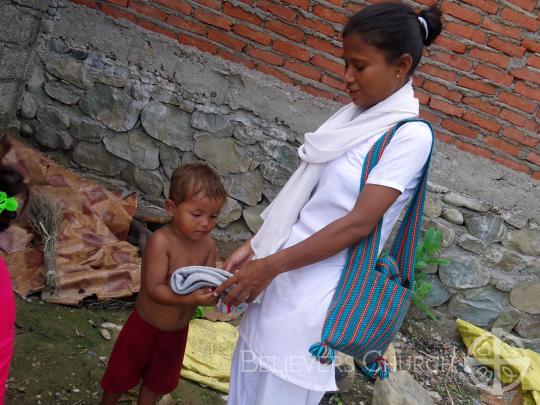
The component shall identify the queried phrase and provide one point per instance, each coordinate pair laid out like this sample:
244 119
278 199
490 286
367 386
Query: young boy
151 345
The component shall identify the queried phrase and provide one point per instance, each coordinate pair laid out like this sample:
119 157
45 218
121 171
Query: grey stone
276 174
471 243
214 123
283 153
230 212
57 45
432 207
9 94
53 117
28 107
252 216
345 372
78 54
71 71
436 188
449 235
190 157
479 306
95 156
248 135
16 25
47 26
400 388
487 228
458 200
36 80
140 94
40 5
52 11
463 272
453 215
529 327
27 129
270 191
167 96
246 187
516 220
438 294
112 107
223 153
88 132
525 241
135 147
168 124
104 71
526 297
507 320
170 158
12 62
53 138
504 283
150 183
511 261
230 238
61 92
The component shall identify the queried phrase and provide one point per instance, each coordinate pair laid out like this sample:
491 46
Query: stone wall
125 106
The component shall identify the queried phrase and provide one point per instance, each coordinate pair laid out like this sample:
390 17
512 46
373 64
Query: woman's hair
191 179
12 183
396 29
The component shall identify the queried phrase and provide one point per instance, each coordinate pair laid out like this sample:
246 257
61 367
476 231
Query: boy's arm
154 276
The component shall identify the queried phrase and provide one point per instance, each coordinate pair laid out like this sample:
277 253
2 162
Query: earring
397 76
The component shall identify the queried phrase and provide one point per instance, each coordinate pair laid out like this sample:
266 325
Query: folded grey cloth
185 280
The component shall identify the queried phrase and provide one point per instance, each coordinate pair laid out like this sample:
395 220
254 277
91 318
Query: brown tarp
93 255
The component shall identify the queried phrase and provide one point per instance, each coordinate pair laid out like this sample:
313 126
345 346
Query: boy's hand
204 297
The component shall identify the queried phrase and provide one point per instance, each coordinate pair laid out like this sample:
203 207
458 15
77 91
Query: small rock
453 215
526 297
458 200
463 272
105 334
230 212
110 326
436 188
432 207
487 228
528 327
152 214
28 107
61 92
507 320
91 323
525 241
479 305
252 215
71 71
449 235
400 388
345 372
438 294
216 124
471 243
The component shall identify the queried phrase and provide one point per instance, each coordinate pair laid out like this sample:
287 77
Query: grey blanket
185 280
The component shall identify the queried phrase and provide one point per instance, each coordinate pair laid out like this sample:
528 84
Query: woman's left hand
247 282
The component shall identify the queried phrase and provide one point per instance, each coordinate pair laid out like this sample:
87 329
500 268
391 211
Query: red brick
526 74
450 44
224 37
444 137
122 3
213 19
492 57
477 85
257 36
527 91
316 92
87 3
290 49
199 43
274 72
156 28
117 13
459 129
240 13
462 13
286 13
454 61
494 75
178 5
330 81
343 99
477 150
187 25
515 101
533 158
505 30
286 30
531 45
418 81
429 116
488 6
265 56
148 10
519 120
437 72
329 14
466 32
441 90
525 4
502 145
215 4
512 164
328 64
482 105
488 124
322 45
298 3
303 70
536 175
519 137
236 59
521 19
316 25
534 61
506 47
422 97
445 107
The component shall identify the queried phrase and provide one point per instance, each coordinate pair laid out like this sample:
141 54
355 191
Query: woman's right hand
241 256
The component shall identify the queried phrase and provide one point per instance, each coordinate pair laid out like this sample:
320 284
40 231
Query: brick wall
479 84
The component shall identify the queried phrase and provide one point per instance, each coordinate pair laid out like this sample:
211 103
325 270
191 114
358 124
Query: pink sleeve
7 325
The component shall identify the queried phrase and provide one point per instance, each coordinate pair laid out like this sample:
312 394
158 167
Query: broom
45 216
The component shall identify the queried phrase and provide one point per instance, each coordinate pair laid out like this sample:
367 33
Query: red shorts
145 352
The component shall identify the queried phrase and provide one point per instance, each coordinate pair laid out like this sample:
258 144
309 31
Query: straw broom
45 216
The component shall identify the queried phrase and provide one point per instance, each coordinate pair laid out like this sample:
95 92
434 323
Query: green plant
425 251
199 313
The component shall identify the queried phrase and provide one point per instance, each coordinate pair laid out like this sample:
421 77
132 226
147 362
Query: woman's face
368 76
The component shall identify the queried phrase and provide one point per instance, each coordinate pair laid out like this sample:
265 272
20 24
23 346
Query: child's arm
154 276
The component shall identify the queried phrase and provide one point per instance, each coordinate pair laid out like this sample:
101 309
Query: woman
301 249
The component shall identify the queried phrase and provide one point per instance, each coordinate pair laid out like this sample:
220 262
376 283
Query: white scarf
340 133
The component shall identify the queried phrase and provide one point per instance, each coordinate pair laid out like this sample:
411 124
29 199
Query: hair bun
432 15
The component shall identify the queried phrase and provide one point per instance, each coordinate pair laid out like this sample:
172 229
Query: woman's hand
241 256
247 282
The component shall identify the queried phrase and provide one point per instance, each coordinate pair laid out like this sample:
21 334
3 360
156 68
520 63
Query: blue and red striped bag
374 294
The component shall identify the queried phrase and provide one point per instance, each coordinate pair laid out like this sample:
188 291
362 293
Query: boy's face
195 217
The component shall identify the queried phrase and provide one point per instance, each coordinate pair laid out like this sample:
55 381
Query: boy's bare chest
181 257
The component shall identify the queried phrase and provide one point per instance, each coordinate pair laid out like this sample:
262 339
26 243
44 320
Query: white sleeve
404 158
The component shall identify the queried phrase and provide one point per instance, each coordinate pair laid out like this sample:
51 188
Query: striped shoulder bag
374 294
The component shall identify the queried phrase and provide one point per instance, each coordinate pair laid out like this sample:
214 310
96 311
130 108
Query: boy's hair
191 179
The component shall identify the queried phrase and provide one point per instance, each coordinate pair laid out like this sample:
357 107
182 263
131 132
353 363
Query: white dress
276 333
